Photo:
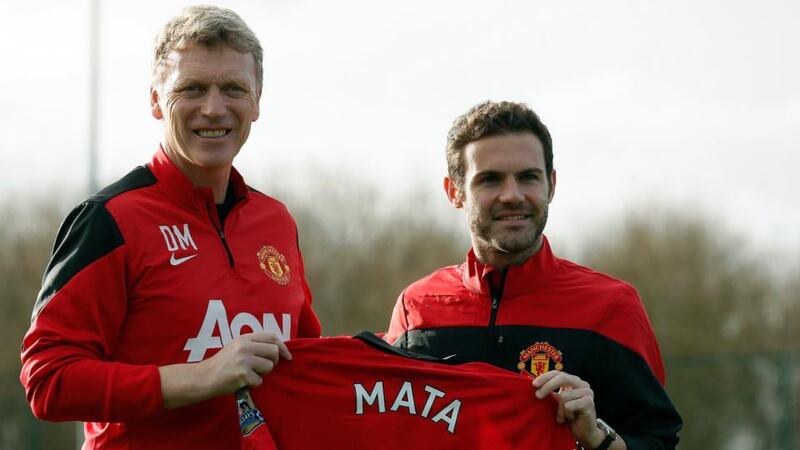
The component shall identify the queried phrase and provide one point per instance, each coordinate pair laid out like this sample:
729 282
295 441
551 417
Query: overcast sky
694 103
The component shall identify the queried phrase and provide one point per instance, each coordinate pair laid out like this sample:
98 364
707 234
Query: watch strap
606 443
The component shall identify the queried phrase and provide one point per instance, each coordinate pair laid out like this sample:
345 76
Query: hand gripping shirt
359 393
549 314
143 275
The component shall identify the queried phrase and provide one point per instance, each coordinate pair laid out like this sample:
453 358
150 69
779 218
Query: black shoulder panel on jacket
137 178
87 234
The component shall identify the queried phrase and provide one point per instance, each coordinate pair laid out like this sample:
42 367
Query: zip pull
225 246
495 303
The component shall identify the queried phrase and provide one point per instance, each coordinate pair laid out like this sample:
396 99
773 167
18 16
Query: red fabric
545 291
311 402
93 351
255 434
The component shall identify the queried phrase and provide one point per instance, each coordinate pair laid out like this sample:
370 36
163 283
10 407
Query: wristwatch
611 436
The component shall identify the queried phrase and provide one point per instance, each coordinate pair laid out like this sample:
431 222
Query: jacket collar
179 188
520 279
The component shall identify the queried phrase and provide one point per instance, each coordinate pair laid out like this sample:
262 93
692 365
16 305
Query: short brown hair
492 119
208 26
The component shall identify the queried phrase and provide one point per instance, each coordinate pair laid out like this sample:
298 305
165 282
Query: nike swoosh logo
173 261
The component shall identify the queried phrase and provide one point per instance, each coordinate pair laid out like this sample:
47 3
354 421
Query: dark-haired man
580 335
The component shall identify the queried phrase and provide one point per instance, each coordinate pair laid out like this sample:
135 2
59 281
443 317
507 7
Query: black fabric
497 283
579 347
378 343
225 207
137 178
87 234
589 355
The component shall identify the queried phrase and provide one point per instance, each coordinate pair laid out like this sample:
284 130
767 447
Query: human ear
257 108
453 192
552 190
155 108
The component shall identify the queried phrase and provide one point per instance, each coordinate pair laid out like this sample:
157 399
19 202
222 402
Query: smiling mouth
512 218
212 133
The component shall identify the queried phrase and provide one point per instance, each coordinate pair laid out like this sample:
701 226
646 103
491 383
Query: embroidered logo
273 263
178 239
173 261
250 417
535 360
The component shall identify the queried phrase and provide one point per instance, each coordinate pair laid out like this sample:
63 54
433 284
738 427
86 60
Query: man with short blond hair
176 286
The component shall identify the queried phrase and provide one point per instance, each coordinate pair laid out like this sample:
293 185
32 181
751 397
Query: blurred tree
786 311
27 232
360 250
690 271
709 298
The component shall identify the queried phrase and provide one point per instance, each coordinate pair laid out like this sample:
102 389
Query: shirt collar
179 188
520 279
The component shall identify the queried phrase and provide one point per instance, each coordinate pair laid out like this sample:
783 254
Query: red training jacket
547 313
143 275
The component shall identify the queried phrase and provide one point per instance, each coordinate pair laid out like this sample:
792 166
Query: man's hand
244 361
575 405
241 363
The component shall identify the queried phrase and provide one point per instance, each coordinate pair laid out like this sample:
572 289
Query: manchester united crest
273 263
539 358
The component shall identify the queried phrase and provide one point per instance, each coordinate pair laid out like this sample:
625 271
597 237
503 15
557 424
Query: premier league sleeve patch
250 417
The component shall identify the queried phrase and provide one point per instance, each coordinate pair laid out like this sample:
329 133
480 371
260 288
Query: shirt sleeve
398 325
68 367
628 381
308 325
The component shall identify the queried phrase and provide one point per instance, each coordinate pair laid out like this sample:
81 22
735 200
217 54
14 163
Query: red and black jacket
142 275
548 313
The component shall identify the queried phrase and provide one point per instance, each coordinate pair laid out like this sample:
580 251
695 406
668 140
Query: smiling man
176 286
580 335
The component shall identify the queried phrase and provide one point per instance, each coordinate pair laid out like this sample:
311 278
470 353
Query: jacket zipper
495 306
225 244
493 340
221 234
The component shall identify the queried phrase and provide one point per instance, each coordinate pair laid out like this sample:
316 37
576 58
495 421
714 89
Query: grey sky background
690 103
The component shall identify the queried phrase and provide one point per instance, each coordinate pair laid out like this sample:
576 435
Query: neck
215 178
488 254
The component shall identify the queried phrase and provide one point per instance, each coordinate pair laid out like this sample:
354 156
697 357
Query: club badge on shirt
273 263
536 359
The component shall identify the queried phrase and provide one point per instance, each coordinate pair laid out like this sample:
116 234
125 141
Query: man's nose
511 192
213 104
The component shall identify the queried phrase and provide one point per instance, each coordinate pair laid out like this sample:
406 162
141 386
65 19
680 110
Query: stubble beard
514 246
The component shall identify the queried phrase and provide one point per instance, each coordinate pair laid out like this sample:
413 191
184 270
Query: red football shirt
361 393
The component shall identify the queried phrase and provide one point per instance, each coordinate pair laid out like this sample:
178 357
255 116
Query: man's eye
235 88
190 89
